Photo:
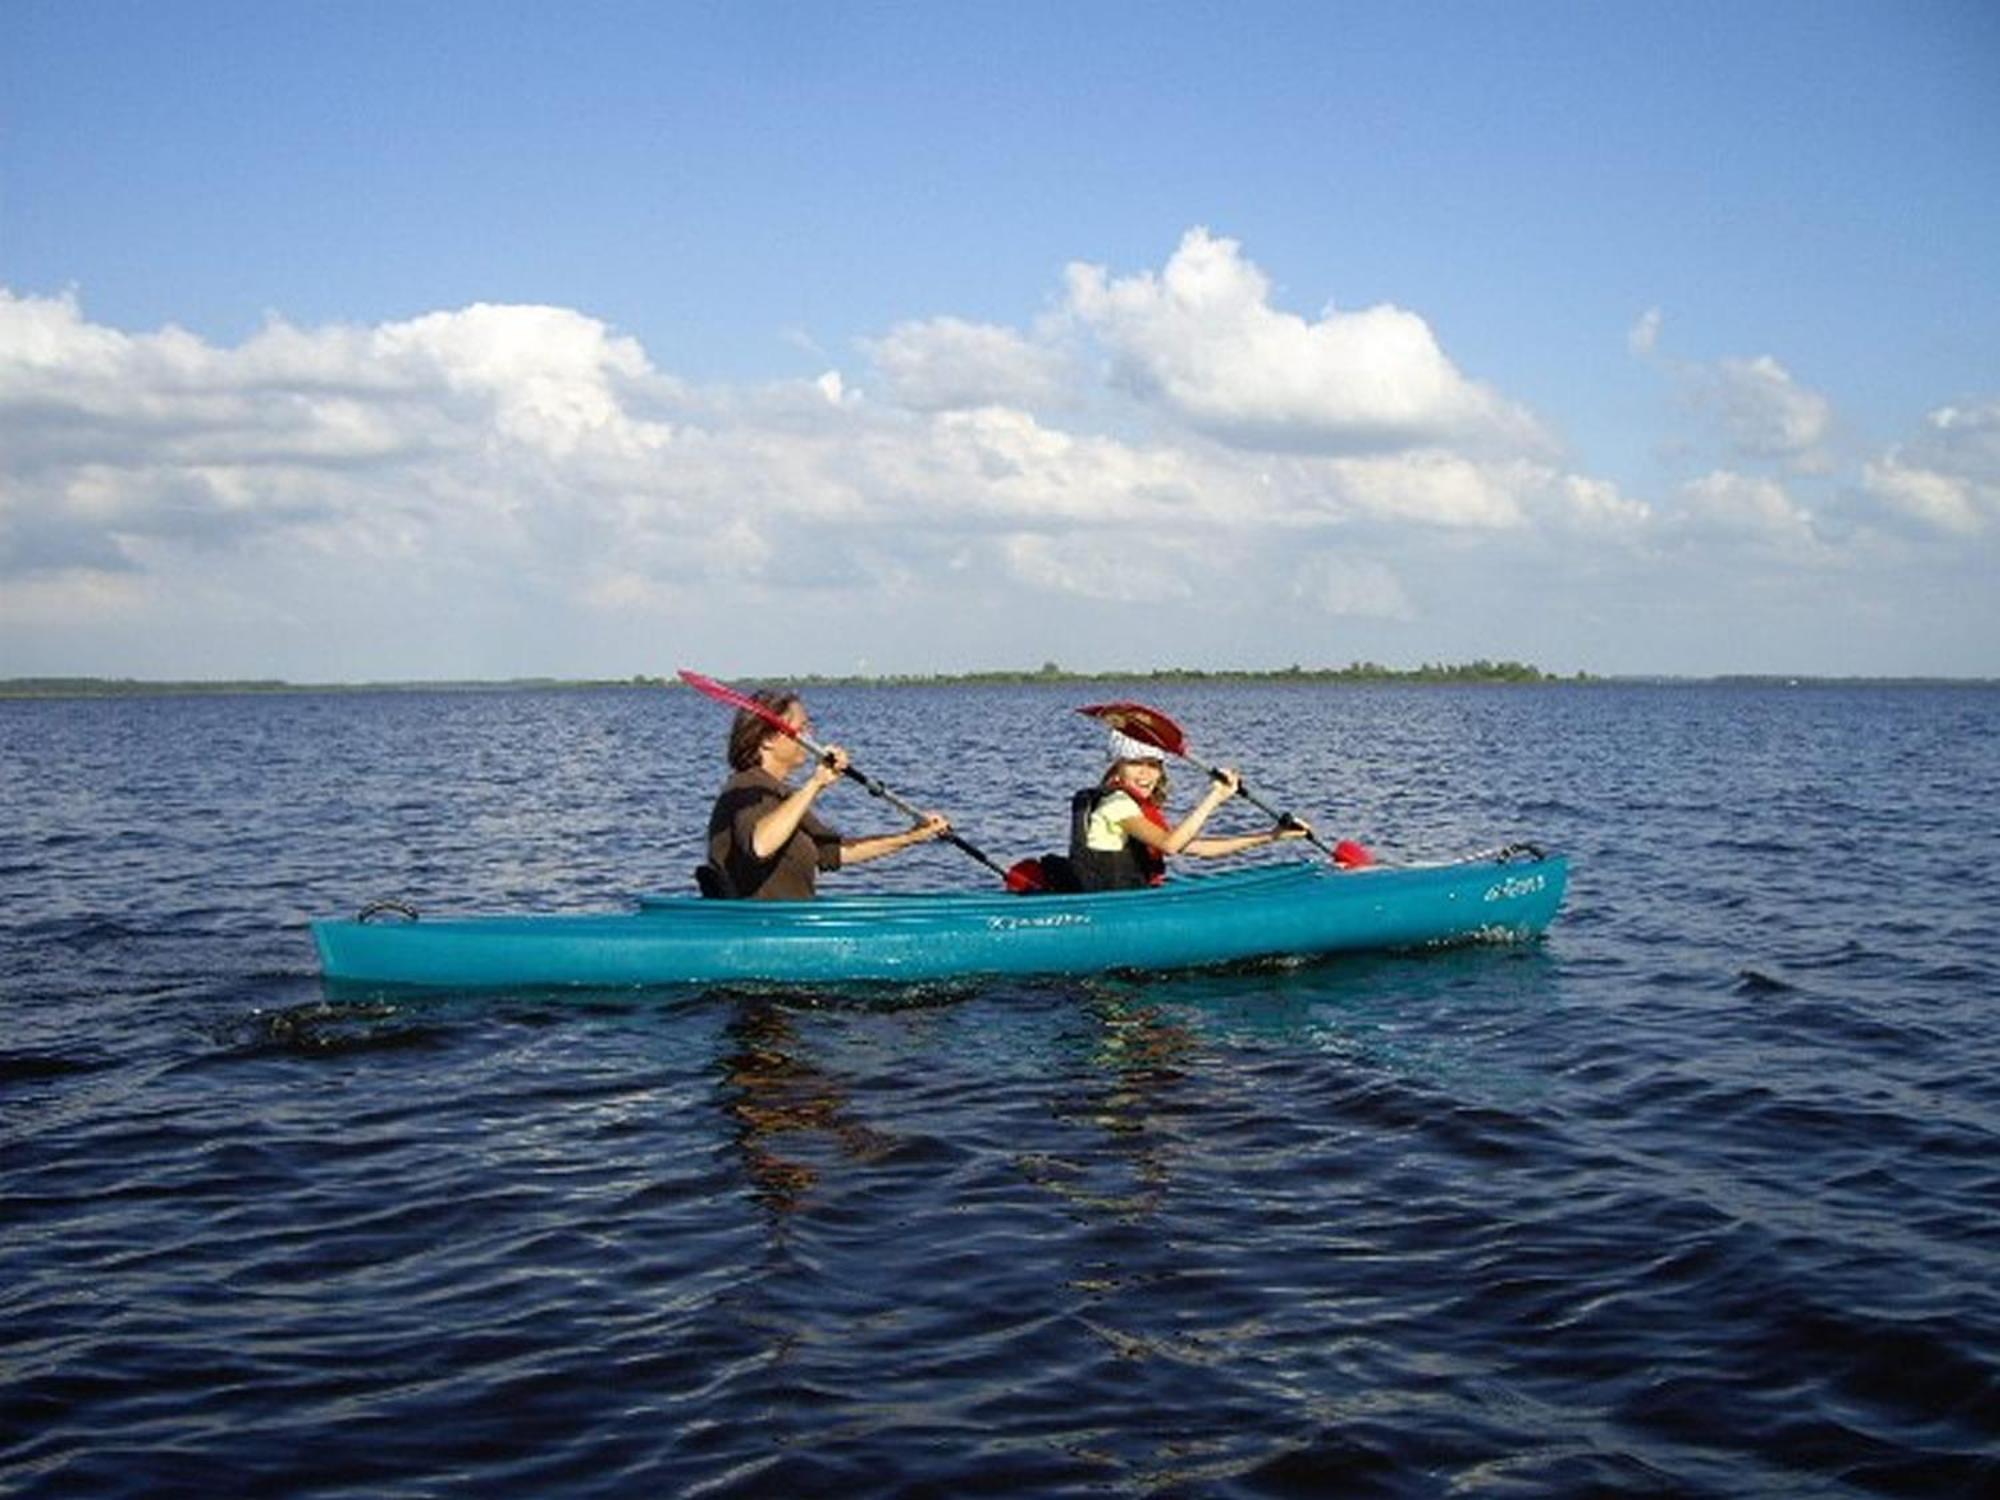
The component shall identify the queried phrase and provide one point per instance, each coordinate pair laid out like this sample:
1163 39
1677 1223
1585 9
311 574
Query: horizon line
50 685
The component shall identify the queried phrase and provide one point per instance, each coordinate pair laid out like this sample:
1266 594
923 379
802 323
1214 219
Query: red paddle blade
1024 877
1352 856
1147 725
734 699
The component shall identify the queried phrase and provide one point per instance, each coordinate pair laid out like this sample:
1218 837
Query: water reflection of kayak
1272 913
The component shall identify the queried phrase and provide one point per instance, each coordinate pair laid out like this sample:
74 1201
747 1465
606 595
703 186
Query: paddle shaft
1243 791
875 788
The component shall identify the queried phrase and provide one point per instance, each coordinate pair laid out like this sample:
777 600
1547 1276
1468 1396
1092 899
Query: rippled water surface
1700 1195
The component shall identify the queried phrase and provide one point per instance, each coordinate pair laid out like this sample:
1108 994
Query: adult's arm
860 851
774 829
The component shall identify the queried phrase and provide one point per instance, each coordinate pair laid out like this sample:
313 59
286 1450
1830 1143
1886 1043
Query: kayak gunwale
925 905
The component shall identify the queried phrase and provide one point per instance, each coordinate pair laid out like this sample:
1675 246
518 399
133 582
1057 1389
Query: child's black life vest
1131 868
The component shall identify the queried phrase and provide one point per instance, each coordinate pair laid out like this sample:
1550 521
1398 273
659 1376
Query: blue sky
421 339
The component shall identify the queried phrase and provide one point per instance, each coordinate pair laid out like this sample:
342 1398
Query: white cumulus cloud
1433 487
944 363
1948 478
1202 339
1765 414
1750 507
1108 568
499 489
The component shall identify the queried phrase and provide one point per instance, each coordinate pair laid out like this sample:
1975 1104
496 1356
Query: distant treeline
133 687
1049 672
1360 671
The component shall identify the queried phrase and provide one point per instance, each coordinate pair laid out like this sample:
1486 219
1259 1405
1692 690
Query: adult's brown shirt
789 874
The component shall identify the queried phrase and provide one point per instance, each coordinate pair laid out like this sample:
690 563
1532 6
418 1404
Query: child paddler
1119 835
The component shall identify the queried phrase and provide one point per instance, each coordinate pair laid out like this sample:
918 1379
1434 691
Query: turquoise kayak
1272 913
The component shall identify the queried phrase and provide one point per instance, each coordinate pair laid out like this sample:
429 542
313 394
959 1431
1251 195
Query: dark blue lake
1698 1196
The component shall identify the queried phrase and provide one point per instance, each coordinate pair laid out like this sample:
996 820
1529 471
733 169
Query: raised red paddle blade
734 699
1147 725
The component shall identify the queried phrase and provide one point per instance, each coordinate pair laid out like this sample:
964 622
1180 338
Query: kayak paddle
724 694
1151 727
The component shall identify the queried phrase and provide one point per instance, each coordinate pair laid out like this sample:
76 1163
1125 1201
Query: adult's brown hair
747 732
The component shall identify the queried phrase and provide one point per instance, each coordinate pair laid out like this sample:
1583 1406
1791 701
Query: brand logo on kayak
1516 885
1051 919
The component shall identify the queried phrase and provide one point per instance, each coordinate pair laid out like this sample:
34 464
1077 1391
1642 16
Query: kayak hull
1268 913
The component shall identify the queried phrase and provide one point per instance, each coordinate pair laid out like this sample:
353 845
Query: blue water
1699 1196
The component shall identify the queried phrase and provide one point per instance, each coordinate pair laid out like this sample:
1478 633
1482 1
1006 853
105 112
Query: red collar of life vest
1154 813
